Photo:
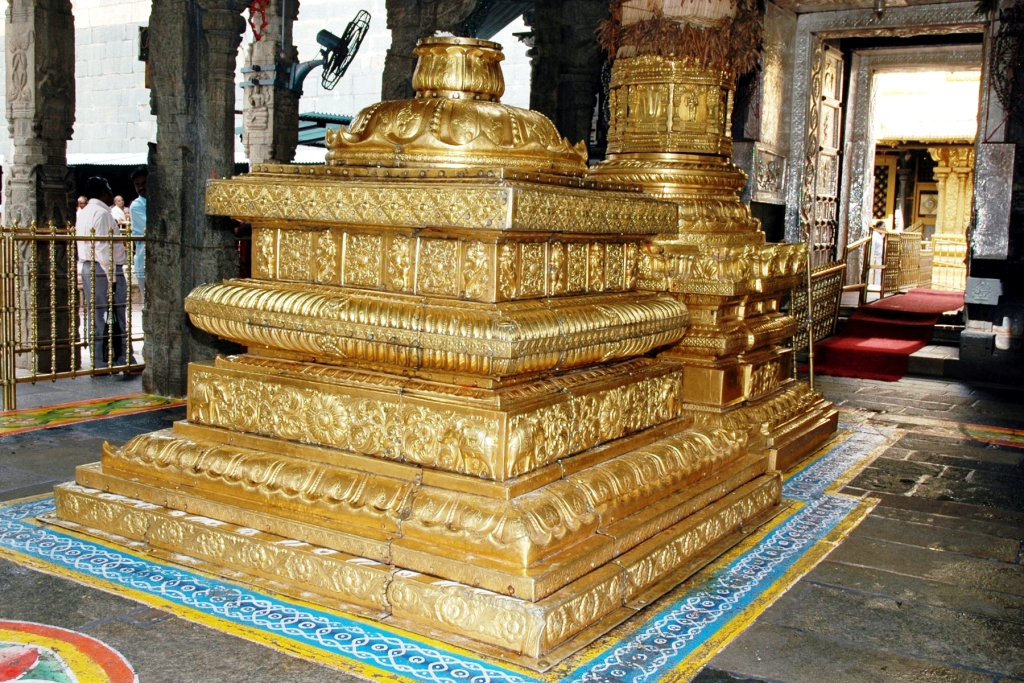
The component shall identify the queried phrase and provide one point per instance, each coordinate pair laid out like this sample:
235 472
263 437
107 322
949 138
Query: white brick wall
112 104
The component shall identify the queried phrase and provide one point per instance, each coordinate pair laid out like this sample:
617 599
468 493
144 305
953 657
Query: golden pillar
670 134
954 177
450 415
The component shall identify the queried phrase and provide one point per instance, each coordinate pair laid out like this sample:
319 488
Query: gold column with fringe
670 134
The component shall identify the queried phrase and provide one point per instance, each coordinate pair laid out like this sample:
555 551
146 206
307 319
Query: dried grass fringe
733 46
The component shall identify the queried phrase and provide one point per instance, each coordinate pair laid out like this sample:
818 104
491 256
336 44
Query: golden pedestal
669 134
450 415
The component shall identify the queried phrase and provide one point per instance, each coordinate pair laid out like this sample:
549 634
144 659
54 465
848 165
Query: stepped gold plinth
457 411
669 134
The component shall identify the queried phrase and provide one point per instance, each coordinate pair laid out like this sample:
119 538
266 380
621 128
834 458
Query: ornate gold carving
438 267
294 251
264 253
651 561
455 119
399 269
389 422
328 254
668 105
259 479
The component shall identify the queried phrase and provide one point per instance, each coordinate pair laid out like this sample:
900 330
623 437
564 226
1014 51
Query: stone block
976 345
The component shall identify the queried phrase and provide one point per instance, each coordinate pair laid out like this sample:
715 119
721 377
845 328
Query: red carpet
879 337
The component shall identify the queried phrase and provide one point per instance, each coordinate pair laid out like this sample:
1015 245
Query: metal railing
46 319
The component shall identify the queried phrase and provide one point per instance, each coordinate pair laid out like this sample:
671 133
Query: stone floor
929 587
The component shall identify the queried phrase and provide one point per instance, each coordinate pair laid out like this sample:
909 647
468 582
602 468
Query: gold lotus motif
455 120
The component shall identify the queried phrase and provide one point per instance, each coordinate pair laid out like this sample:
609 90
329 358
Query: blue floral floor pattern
670 640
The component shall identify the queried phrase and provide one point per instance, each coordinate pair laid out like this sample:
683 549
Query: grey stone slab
978 459
13 478
939 538
912 588
708 675
50 458
913 629
179 651
769 652
931 446
29 595
914 468
951 509
987 495
946 521
887 481
951 568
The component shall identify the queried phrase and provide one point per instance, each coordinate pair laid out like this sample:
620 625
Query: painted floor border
670 640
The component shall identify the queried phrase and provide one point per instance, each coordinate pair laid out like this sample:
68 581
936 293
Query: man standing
137 211
99 259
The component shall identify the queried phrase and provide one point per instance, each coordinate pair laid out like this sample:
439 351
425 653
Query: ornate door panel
819 213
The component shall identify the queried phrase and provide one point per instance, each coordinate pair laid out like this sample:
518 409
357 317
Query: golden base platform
484 398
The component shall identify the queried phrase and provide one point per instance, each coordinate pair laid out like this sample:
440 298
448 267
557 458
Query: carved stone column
566 66
955 179
410 20
39 187
193 44
270 126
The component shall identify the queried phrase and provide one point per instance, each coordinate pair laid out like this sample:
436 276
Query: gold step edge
421 554
255 479
565 641
553 572
369 543
450 481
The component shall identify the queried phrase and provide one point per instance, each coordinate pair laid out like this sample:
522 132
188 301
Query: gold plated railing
45 319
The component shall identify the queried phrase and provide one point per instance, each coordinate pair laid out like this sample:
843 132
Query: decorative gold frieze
493 270
479 204
411 424
299 566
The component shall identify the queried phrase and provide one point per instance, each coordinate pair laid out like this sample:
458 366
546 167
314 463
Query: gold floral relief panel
615 273
294 253
363 257
577 268
437 267
532 261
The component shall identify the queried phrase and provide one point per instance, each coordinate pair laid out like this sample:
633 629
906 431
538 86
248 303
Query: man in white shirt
97 259
117 210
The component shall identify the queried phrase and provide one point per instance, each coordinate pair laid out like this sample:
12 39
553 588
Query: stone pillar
410 20
193 46
567 63
270 126
38 185
954 176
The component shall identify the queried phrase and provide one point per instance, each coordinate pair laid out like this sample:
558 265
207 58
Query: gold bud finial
458 68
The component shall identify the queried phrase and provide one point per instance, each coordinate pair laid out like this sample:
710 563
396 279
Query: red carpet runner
879 337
